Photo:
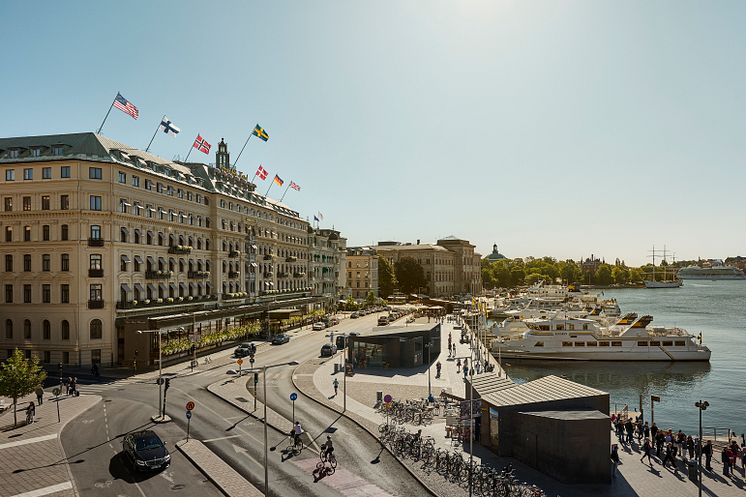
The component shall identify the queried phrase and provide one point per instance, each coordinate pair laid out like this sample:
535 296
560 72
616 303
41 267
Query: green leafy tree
386 277
603 275
370 299
20 377
410 274
635 275
620 275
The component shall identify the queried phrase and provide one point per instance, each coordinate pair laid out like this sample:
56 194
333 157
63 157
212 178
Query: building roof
495 255
488 383
396 330
568 415
546 389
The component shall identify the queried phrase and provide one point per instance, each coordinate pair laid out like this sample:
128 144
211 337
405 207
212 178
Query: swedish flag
260 133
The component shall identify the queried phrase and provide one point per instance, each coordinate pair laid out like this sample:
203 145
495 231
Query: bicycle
295 447
208 360
29 417
327 458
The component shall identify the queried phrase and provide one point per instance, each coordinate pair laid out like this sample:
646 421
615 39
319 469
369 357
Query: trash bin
336 367
379 398
692 466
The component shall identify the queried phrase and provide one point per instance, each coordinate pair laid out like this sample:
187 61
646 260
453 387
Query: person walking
68 384
669 456
39 395
707 451
646 448
653 431
614 459
438 366
336 386
725 458
74 387
690 446
630 429
646 430
659 439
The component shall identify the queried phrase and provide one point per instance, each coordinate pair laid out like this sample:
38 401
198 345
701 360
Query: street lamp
701 406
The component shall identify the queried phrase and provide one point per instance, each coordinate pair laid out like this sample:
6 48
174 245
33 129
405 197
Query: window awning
139 287
152 288
125 287
254 264
125 259
162 287
150 259
138 259
162 260
182 285
172 286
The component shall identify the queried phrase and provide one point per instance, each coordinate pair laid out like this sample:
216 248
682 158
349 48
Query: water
715 308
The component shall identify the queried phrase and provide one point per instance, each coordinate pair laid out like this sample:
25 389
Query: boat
579 339
665 282
711 273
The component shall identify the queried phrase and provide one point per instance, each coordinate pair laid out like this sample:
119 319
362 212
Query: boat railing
726 434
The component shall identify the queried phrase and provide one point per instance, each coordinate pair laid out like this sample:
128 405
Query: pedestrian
638 429
614 459
707 451
336 386
438 365
74 386
646 448
669 455
690 446
725 458
458 365
659 440
732 457
479 367
653 431
646 430
630 429
743 456
39 395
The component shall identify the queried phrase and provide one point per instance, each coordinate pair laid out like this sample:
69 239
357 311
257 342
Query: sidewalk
34 462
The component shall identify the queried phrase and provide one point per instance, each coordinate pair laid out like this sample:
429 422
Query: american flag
295 186
126 106
201 145
262 173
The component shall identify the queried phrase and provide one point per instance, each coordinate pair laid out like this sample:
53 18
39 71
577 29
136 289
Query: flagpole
106 117
255 175
244 146
156 132
190 151
285 192
270 186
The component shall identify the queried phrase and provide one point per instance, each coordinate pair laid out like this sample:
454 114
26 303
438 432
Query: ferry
711 273
581 339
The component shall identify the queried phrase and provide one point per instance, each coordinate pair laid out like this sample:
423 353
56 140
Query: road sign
159 381
190 406
387 398
239 362
251 360
189 414
293 396
655 398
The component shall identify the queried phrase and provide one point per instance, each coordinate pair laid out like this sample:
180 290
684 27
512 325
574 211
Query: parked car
280 339
318 325
383 321
328 349
146 451
245 349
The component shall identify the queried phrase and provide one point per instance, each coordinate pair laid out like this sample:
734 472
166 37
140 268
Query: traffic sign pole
293 398
189 422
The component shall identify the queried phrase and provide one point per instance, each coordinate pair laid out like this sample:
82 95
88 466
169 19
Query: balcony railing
95 242
267 257
233 274
180 249
299 275
95 304
198 275
196 299
95 273
157 275
234 253
291 258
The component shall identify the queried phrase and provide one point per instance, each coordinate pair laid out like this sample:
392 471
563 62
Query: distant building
738 261
495 255
362 272
327 251
590 264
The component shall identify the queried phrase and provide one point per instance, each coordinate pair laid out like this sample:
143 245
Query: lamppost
701 406
429 364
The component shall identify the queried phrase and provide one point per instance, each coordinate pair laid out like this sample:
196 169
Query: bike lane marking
344 481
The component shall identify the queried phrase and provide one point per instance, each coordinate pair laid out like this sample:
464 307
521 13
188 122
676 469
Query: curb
62 447
342 413
207 475
241 408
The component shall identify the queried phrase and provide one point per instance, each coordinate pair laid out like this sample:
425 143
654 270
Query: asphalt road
237 438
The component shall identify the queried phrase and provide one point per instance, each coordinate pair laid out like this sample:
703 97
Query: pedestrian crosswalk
107 386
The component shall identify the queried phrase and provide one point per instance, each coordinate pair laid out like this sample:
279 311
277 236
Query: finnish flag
168 127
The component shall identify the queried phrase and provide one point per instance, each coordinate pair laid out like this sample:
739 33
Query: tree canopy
410 274
386 277
19 377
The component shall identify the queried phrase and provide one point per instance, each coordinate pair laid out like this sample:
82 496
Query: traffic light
194 347
168 384
256 378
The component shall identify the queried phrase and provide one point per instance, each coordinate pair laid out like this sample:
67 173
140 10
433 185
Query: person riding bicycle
30 413
327 448
296 432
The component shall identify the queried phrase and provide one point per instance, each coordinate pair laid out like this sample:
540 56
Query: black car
245 349
280 339
146 451
328 350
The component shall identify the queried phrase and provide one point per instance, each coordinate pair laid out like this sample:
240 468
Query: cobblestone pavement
33 461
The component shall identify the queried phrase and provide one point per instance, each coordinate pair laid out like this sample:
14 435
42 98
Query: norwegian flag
295 186
262 173
202 145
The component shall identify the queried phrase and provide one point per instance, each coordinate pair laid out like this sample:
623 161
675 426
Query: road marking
28 441
47 490
220 438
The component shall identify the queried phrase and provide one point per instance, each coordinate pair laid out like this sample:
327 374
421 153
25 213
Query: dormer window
58 150
35 152
14 153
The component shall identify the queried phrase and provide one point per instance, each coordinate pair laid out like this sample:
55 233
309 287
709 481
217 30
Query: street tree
603 275
386 277
370 299
20 377
410 274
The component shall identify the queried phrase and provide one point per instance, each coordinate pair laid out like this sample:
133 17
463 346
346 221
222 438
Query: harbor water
717 309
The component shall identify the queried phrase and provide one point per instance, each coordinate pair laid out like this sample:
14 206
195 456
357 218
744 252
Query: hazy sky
558 128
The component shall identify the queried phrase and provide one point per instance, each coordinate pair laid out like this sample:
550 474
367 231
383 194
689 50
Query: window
8 294
642 344
28 173
616 344
668 343
27 329
64 202
8 234
57 150
9 263
8 201
96 329
26 203
603 344
46 173
10 175
65 262
35 152
45 232
8 328
122 177
65 172
123 234
65 329
123 204
95 202
64 232
539 344
148 184
680 343
655 343
26 294
95 173
96 292
45 202
46 262
46 331
27 262
64 294
27 233
567 344
95 261
580 344
136 181
46 294
590 344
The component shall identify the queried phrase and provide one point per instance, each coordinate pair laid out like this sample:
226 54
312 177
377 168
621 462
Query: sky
550 128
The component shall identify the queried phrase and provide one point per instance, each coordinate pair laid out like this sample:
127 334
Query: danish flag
262 173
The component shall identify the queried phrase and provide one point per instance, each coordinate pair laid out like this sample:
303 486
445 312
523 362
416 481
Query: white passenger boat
711 273
585 340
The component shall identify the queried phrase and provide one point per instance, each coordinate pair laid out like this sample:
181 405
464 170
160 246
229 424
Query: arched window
46 330
136 237
171 264
207 222
27 329
199 243
171 241
181 239
207 266
181 265
96 329
8 328
123 235
149 238
225 246
190 241
160 239
65 329
207 244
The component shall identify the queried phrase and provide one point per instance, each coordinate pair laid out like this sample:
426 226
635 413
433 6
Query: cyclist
336 386
327 448
30 413
296 433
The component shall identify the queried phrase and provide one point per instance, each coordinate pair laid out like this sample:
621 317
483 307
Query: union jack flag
201 145
262 173
295 186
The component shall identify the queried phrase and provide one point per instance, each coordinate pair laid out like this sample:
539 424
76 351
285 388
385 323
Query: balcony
180 249
95 242
291 258
283 275
236 295
135 304
95 304
234 253
267 257
157 275
233 274
198 275
95 273
299 275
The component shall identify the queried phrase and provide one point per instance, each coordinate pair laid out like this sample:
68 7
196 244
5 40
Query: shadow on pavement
121 469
